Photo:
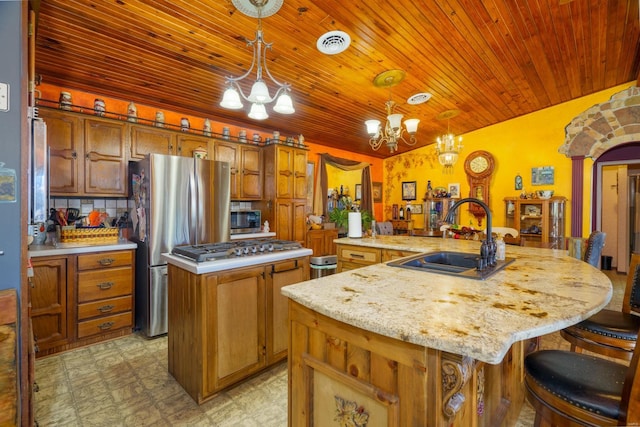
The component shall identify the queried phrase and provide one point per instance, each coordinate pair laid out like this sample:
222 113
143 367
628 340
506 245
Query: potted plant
340 217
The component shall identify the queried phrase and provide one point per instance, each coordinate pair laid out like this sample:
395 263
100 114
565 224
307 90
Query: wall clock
479 167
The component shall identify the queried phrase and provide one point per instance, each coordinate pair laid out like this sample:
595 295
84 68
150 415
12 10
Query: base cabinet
81 299
48 296
321 242
226 326
351 257
335 368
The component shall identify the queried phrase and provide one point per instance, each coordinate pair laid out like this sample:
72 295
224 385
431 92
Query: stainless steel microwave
246 221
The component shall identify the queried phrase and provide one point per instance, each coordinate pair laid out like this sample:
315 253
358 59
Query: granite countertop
78 248
229 263
543 291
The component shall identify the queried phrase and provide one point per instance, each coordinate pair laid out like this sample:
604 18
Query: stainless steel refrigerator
178 201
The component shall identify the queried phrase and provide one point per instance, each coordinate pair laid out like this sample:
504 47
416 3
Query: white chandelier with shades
392 132
446 147
259 95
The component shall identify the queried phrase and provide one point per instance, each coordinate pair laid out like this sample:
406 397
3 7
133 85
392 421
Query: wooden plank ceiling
492 60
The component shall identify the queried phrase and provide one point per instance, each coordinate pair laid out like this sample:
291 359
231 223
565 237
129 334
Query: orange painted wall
50 92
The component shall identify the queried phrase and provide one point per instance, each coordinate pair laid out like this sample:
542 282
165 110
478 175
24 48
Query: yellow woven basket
88 235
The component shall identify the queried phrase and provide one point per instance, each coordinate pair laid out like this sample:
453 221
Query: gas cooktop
227 250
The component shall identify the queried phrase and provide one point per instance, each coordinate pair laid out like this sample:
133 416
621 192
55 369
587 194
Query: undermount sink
460 264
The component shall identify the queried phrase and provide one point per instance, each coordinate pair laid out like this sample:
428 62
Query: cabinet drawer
104 307
104 324
391 254
359 255
95 285
104 259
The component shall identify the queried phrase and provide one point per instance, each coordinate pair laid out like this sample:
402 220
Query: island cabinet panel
239 322
335 368
226 326
48 296
277 332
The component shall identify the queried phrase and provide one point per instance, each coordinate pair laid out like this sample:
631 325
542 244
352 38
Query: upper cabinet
87 155
150 140
291 172
246 168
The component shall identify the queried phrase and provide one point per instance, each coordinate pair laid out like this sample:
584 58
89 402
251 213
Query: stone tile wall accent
605 125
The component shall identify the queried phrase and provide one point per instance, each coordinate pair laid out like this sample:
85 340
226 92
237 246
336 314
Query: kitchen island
227 318
400 347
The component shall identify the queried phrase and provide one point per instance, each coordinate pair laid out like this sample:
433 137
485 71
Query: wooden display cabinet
538 220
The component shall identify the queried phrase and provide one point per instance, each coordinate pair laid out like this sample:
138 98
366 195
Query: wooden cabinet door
284 219
48 299
329 244
251 174
280 275
299 223
229 152
315 241
105 162
284 172
238 324
300 174
147 140
64 138
188 143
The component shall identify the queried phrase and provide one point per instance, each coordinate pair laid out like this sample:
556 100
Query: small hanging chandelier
393 132
446 147
259 95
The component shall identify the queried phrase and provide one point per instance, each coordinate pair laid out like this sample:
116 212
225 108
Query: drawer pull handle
106 308
105 285
106 261
106 325
357 256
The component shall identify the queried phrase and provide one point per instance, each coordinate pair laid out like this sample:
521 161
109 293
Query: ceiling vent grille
333 42
419 98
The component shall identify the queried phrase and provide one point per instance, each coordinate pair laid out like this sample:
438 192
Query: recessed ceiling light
333 42
419 98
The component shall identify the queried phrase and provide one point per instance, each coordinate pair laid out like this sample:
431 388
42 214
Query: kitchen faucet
488 247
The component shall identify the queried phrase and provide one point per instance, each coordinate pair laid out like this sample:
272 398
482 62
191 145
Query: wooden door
251 173
280 275
48 299
105 164
239 316
64 136
187 144
148 140
229 152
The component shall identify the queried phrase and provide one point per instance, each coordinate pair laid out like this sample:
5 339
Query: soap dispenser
501 248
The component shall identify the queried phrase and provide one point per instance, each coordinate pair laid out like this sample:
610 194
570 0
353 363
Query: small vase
132 113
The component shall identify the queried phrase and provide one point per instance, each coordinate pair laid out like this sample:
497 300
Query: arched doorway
608 133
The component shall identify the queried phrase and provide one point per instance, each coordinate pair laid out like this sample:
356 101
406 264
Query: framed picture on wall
377 192
454 190
409 190
358 191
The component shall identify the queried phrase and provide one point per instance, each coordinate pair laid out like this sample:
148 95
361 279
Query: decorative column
577 188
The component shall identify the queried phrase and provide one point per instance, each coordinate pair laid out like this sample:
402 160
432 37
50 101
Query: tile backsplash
113 207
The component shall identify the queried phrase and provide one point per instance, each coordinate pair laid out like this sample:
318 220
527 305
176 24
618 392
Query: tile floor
125 382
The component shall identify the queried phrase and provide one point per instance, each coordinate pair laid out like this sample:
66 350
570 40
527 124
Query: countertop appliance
246 221
178 201
253 248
